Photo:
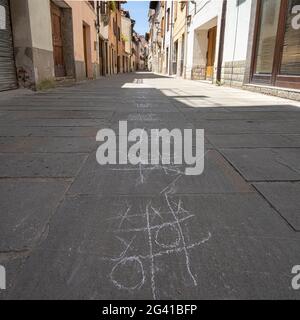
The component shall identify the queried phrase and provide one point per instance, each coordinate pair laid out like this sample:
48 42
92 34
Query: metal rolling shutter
7 65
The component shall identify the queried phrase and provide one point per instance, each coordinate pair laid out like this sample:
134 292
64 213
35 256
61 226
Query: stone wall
286 93
233 73
198 73
32 44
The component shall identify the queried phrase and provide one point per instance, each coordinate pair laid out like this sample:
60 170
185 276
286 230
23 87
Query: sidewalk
71 229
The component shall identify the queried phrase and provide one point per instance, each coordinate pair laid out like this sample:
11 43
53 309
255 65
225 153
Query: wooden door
59 66
211 51
85 50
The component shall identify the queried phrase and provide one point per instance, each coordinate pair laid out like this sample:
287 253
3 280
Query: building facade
168 38
203 36
103 26
126 36
156 36
251 44
66 46
179 36
143 52
46 42
85 39
135 61
262 46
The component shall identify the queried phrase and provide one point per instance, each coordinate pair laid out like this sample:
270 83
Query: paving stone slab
265 164
12 262
274 107
248 126
107 217
254 140
209 246
25 208
10 131
148 125
190 112
218 177
60 104
246 115
45 107
54 122
148 116
57 114
47 144
285 197
40 165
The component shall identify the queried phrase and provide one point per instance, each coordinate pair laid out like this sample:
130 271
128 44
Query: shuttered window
7 65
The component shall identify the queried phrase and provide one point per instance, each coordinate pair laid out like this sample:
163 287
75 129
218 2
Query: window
103 7
168 19
276 56
290 64
114 27
167 59
183 3
162 26
92 3
269 17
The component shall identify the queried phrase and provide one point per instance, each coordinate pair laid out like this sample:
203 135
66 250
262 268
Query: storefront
276 51
7 63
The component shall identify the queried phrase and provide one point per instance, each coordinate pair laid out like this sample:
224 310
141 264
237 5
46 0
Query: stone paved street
72 229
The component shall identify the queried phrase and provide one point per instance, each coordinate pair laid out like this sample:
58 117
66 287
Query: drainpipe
164 35
98 34
118 63
185 40
235 39
221 43
171 42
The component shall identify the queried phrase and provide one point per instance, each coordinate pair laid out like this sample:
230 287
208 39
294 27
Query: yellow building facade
179 36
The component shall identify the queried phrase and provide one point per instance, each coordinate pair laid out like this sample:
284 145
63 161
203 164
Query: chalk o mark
132 265
170 230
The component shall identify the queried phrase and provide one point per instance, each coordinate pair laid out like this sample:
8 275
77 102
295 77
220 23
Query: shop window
267 36
276 55
291 46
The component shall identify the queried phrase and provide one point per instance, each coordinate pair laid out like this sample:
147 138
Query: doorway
175 58
85 50
58 52
167 60
102 57
182 55
118 64
106 58
211 52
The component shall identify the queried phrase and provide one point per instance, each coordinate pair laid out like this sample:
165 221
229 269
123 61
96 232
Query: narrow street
72 229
